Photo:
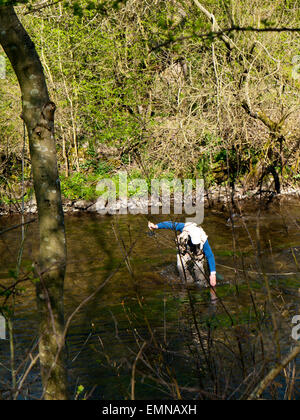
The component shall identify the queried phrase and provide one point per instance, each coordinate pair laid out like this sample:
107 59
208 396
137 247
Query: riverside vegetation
159 89
147 87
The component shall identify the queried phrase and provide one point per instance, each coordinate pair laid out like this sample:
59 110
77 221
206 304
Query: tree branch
215 26
273 373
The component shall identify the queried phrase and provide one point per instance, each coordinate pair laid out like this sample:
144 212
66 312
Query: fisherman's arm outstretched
179 226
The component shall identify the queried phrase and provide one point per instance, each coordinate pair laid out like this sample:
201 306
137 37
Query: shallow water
145 302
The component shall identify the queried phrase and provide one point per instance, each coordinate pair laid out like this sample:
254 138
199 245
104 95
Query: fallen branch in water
273 373
16 226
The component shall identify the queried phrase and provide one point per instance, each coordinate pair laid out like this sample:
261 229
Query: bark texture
38 114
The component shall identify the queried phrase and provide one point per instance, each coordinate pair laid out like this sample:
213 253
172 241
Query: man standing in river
193 248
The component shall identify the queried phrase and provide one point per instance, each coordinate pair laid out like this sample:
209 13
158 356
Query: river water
144 328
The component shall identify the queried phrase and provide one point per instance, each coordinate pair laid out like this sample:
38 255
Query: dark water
144 302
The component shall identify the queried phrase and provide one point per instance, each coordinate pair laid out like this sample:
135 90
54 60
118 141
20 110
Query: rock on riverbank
221 198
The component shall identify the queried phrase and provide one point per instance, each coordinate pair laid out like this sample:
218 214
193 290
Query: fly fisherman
193 249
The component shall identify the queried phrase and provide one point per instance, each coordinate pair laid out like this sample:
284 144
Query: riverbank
221 198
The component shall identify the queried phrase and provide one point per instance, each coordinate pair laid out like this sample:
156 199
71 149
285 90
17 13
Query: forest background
162 89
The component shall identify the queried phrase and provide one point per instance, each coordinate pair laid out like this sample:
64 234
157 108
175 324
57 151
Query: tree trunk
38 114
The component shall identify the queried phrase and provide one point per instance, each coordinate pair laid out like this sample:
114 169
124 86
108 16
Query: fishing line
256 272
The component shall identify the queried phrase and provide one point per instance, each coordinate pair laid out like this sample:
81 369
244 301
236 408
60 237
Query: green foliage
100 168
141 80
79 186
80 390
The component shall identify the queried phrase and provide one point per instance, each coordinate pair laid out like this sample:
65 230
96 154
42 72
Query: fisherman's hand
213 279
151 225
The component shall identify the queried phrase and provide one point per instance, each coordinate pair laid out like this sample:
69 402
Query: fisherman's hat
197 234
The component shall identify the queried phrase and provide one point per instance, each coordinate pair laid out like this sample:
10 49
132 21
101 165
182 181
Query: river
142 333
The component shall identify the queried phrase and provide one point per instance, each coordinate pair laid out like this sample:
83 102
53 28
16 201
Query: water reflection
145 301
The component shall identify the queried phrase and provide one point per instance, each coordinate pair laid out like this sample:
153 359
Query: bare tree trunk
38 114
